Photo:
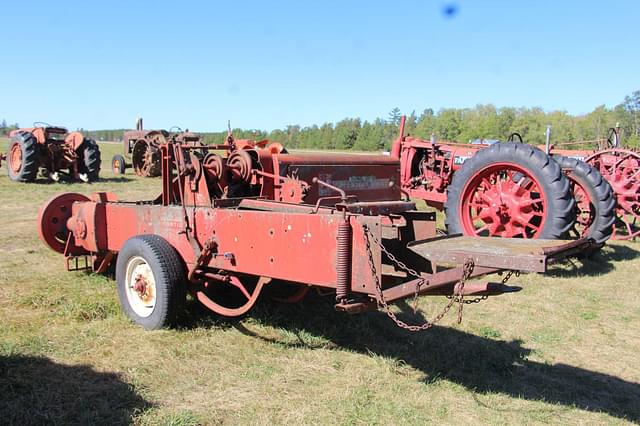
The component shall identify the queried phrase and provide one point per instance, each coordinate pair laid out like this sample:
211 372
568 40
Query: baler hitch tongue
526 255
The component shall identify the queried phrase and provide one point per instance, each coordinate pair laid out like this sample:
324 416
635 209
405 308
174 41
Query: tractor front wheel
22 158
118 164
150 277
510 190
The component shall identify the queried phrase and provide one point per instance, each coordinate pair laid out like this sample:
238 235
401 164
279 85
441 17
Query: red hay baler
225 227
54 150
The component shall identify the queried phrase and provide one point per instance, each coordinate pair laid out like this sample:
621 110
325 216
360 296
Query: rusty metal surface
505 253
229 227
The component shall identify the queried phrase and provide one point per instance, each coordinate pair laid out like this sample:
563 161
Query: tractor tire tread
90 159
30 157
602 195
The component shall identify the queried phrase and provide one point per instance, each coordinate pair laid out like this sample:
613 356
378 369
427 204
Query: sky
266 65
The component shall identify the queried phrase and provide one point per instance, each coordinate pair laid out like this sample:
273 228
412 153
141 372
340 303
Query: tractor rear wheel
619 166
22 158
510 190
118 164
595 201
89 159
150 278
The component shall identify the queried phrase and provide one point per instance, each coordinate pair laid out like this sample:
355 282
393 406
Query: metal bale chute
234 219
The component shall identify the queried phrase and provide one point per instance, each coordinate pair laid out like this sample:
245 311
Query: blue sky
264 65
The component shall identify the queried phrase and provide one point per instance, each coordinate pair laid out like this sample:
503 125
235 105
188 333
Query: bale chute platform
504 253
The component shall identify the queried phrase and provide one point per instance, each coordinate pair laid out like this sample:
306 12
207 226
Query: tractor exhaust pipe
547 143
397 144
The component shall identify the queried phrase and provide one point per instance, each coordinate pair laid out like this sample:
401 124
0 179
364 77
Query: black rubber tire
560 214
89 159
30 152
169 274
120 168
600 192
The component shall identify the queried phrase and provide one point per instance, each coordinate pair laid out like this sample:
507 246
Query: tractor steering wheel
513 136
613 139
41 124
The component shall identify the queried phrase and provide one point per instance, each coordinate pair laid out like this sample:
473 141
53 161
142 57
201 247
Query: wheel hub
141 287
504 201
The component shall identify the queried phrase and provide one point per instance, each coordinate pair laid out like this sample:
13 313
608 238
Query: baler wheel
22 158
621 168
510 190
150 279
595 200
52 219
118 164
90 159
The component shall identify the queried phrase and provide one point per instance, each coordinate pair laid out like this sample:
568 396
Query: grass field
562 351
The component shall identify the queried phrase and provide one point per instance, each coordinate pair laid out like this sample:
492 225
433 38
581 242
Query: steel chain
384 306
485 297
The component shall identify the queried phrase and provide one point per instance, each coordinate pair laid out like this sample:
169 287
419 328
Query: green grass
563 351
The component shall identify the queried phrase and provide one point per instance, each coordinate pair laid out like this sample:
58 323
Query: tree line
451 124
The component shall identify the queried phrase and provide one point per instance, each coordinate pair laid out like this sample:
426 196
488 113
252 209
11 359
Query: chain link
467 270
485 297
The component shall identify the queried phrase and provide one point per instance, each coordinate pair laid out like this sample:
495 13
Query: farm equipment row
54 152
515 190
226 226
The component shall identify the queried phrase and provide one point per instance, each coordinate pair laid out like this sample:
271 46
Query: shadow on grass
36 390
597 263
67 181
480 364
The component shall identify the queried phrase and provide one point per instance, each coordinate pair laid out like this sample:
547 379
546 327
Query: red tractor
506 189
225 227
620 167
54 151
141 150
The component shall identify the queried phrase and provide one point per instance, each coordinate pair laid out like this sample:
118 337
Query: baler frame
246 242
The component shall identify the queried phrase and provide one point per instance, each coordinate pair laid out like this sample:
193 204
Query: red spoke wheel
595 201
145 156
510 190
621 168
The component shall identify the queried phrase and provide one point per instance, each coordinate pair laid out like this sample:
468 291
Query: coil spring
343 261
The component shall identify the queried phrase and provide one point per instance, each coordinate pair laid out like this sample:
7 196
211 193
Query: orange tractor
54 151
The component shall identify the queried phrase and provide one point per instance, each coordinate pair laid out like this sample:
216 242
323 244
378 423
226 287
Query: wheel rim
140 287
15 158
145 158
503 200
52 219
585 209
621 168
116 166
